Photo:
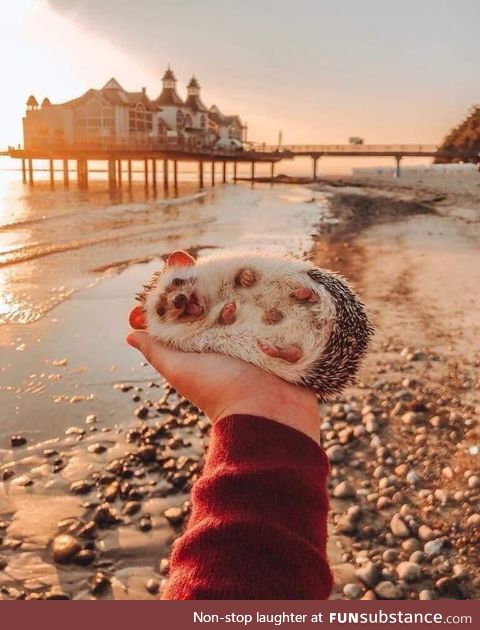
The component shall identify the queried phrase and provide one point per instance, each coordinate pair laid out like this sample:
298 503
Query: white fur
305 325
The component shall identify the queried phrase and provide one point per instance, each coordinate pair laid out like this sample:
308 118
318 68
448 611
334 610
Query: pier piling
252 171
119 163
82 173
154 174
272 171
165 174
129 167
213 173
398 171
112 179
52 173
314 173
200 173
175 174
145 167
65 174
224 172
24 171
234 172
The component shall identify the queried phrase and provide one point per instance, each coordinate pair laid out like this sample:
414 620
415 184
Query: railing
347 148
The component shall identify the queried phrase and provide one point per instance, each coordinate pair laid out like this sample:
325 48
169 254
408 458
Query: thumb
143 342
158 355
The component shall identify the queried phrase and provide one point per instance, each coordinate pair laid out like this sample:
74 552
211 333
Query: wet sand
404 443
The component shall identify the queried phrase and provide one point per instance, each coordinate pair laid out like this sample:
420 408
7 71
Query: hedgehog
284 315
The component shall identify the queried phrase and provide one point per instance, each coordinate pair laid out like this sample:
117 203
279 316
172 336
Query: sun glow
46 54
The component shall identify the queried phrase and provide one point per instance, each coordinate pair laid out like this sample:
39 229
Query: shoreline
401 436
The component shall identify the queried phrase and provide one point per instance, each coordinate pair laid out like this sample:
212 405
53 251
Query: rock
433 547
473 520
147 454
141 412
448 587
369 595
111 491
84 557
152 586
3 563
17 440
81 487
99 583
64 548
426 594
104 516
96 448
408 571
388 590
413 478
91 419
389 555
145 523
412 417
56 595
335 453
411 544
132 507
425 533
417 556
352 591
474 481
370 575
345 525
87 531
174 515
399 527
460 572
344 490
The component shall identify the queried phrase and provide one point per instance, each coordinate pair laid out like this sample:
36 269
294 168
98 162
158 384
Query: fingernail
132 341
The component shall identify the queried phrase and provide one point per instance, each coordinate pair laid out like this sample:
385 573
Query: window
202 121
94 120
139 119
180 118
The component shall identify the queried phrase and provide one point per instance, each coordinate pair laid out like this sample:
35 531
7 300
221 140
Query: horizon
412 95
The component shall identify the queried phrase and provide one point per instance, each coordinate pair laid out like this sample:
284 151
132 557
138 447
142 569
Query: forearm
258 527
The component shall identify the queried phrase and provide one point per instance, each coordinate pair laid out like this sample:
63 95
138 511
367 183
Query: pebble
141 412
474 481
84 557
425 533
426 594
344 490
145 523
99 583
399 527
433 547
132 507
81 487
17 440
388 590
473 520
91 419
152 586
104 516
96 448
174 515
411 544
408 571
335 454
370 575
65 547
352 591
417 557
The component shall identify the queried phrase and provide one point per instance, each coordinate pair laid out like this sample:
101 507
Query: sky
319 70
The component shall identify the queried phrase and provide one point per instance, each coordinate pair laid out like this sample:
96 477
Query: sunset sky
319 70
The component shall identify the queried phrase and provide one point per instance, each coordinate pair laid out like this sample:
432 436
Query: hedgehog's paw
228 314
245 278
304 294
292 354
272 316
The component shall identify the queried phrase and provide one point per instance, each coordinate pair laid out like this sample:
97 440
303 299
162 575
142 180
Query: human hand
221 385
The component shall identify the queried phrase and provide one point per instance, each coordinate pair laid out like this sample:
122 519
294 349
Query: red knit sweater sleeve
258 527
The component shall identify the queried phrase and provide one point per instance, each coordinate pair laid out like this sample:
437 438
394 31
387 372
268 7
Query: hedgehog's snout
180 300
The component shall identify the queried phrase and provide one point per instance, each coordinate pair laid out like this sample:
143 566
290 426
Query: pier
162 161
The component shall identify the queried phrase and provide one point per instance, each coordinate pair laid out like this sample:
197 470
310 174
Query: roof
169 75
46 102
114 94
221 119
195 103
168 96
113 84
193 83
32 100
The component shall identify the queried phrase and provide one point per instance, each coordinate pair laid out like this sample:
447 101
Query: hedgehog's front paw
304 294
292 354
228 314
246 278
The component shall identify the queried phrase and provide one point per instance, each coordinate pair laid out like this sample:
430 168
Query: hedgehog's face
174 296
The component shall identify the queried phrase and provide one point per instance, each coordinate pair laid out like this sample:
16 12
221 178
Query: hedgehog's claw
292 354
228 314
304 294
245 278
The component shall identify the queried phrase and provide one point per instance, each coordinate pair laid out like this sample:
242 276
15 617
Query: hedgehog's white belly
307 326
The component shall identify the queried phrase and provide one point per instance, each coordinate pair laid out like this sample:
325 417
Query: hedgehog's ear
180 259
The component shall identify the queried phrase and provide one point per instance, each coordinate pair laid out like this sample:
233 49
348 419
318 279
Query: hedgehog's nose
180 300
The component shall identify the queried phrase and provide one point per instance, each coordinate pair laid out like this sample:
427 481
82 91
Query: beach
103 452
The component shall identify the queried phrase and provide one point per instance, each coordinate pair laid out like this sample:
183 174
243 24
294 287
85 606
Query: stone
91 419
412 417
84 557
433 547
411 544
104 516
64 548
141 412
152 586
448 587
417 556
473 520
147 454
17 440
425 533
352 591
174 515
388 590
99 583
344 490
335 454
96 448
408 571
145 523
81 487
426 594
399 527
345 525
132 507
474 481
370 575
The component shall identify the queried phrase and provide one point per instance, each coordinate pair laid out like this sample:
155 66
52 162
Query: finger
136 319
165 360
